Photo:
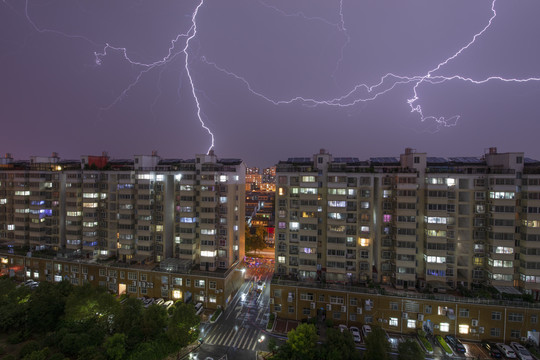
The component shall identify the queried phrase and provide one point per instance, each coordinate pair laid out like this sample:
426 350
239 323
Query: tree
377 345
183 324
116 346
153 322
340 345
272 346
255 241
410 350
301 344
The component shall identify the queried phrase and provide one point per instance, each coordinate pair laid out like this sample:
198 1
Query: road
239 331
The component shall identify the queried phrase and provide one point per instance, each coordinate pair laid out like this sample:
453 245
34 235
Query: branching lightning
364 92
359 93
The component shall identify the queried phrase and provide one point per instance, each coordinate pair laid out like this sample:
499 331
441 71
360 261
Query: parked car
455 343
492 349
342 328
366 329
168 304
355 333
506 350
159 301
521 351
198 308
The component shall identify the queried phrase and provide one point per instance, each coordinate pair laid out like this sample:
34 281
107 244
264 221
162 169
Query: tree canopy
59 320
377 345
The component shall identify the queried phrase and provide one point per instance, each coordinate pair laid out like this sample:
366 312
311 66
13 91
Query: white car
355 333
366 329
521 351
342 328
506 350
159 301
168 303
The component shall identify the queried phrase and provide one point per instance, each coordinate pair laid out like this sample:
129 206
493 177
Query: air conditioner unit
473 331
151 285
108 279
134 283
523 339
114 280
404 315
329 307
421 317
271 300
165 287
343 309
474 322
359 310
313 305
380 320
435 326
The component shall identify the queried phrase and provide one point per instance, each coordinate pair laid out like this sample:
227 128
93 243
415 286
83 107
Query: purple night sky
55 97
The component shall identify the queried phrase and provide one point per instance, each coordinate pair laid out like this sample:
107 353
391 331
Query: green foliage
444 345
29 348
255 241
88 323
303 341
271 320
377 346
9 357
88 302
116 346
425 342
216 314
42 354
91 353
57 356
153 322
182 326
340 345
47 305
410 350
16 337
272 346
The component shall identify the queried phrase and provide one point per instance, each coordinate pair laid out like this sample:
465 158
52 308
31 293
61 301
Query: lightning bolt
357 94
365 93
172 53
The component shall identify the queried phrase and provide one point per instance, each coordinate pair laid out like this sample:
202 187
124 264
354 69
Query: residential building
413 222
142 210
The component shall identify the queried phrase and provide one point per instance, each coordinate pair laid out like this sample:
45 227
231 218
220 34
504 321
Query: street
239 332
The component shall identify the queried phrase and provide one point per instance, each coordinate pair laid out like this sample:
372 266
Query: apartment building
140 210
411 222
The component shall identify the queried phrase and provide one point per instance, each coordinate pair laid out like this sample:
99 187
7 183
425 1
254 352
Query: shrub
444 345
29 348
216 314
427 345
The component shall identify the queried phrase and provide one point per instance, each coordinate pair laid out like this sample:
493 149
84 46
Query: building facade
413 222
139 211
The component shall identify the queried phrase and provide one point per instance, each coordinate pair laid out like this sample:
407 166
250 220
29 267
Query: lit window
364 242
281 259
222 178
463 329
445 327
176 294
205 253
393 321
411 324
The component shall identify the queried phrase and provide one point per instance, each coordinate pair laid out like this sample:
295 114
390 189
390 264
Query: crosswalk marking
242 339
